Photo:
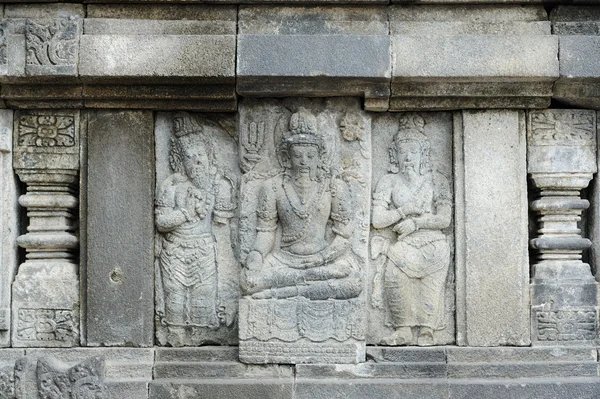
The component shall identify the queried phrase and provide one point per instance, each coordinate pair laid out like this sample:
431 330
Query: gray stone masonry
200 56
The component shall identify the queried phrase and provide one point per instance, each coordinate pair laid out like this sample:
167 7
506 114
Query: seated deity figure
190 200
304 200
416 201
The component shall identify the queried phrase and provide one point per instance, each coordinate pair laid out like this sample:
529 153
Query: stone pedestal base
46 305
564 313
299 330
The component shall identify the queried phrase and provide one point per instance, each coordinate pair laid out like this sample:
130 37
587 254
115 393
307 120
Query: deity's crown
411 128
184 124
303 130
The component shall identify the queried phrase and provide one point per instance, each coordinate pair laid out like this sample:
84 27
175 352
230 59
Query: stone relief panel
303 230
411 285
197 273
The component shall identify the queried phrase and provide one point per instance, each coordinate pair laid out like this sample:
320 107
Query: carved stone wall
299 200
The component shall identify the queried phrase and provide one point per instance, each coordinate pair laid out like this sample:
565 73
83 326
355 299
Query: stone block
579 83
406 354
131 19
143 58
215 372
380 388
479 56
559 388
226 389
520 355
492 262
120 228
314 52
168 11
43 11
9 220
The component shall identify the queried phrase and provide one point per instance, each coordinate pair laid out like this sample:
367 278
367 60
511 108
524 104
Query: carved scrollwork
53 42
82 381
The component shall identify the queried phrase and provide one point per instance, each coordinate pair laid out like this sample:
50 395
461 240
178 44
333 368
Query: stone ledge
395 372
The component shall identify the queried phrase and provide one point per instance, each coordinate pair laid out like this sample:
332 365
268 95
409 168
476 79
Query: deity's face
409 157
196 164
304 160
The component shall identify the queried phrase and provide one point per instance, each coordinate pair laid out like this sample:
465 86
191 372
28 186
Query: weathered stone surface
9 221
197 273
578 29
562 388
163 11
492 268
120 373
120 228
215 372
594 219
8 359
44 11
160 19
411 283
446 57
45 307
147 57
303 230
315 52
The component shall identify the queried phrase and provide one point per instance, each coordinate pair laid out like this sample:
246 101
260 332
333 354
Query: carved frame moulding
46 290
9 223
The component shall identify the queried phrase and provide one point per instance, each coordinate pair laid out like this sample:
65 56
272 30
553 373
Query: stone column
561 149
8 223
46 290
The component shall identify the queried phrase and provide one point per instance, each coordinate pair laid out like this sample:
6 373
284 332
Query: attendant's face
409 156
195 162
304 160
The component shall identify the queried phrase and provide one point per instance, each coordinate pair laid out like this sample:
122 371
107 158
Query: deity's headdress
188 131
410 129
303 130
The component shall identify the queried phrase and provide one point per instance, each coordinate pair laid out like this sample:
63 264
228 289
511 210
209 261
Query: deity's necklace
301 211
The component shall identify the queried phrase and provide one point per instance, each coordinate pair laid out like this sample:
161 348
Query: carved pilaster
46 289
561 162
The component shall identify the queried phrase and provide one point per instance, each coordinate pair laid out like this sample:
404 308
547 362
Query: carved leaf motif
566 128
45 325
566 325
82 381
52 43
47 130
